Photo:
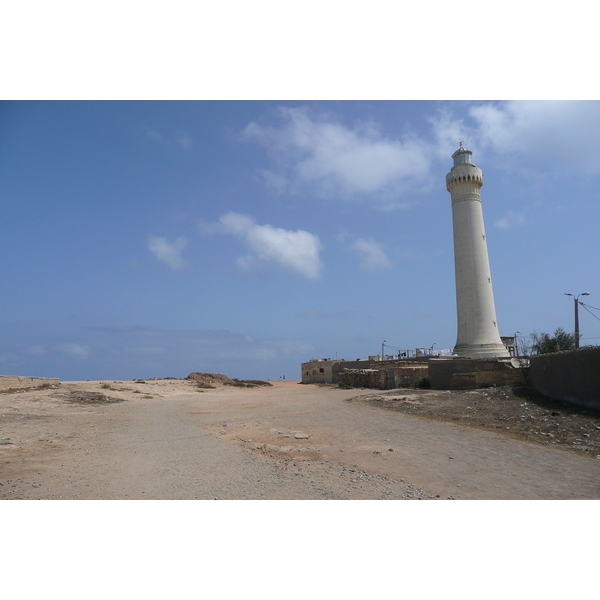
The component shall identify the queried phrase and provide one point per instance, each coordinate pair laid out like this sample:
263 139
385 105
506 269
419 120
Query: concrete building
478 335
510 343
324 370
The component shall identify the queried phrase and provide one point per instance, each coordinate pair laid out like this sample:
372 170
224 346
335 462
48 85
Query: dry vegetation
211 380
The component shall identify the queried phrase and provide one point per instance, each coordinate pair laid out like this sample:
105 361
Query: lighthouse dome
462 156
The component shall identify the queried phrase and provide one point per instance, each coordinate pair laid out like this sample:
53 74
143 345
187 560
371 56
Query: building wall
359 378
316 372
467 373
327 371
572 376
443 373
384 376
401 374
11 383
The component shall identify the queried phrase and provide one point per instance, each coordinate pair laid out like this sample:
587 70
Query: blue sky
152 239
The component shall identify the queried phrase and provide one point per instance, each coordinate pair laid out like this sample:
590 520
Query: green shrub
422 383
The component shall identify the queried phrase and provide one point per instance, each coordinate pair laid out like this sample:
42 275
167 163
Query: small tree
525 343
542 343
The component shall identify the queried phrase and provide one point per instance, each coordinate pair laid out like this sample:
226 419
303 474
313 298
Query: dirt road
165 439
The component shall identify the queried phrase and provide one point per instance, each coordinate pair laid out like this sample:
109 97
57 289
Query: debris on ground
520 412
91 398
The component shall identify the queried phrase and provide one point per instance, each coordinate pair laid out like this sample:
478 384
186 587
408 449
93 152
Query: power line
591 313
588 306
394 347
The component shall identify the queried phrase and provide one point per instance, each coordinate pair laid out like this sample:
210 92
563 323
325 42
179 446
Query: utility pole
382 346
576 322
576 300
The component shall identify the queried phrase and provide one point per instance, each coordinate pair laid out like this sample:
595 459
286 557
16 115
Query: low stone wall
466 373
400 374
572 376
13 383
386 376
443 374
359 378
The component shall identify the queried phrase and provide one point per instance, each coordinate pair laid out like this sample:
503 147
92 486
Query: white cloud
511 219
371 254
561 132
204 346
145 349
74 350
154 135
276 181
8 357
447 131
328 315
36 351
170 139
184 140
343 236
296 251
316 153
168 253
328 158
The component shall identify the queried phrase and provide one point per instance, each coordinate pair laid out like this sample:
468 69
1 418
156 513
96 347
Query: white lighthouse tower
478 335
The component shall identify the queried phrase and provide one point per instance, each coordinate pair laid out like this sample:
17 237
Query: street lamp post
576 300
431 351
517 342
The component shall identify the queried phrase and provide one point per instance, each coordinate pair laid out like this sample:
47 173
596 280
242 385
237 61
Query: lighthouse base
496 350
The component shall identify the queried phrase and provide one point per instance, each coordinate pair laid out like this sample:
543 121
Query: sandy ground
165 439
